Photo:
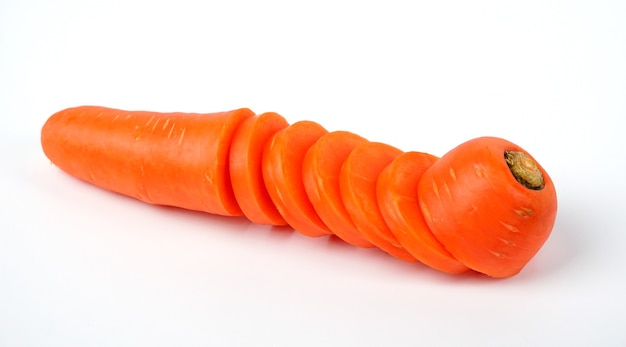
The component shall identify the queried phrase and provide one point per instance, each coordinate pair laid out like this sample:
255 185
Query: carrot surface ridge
485 206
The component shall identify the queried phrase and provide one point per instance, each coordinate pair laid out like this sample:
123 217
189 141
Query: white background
83 267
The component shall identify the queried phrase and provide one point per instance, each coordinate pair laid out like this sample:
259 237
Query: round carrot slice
321 168
490 204
282 161
357 182
397 199
245 167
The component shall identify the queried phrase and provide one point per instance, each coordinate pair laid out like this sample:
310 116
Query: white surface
83 267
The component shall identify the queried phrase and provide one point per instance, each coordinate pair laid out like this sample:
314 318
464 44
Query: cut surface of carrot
486 219
176 159
283 157
397 199
321 168
357 181
246 171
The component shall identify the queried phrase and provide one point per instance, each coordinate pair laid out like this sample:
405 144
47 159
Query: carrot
486 205
321 168
282 172
177 159
357 182
246 171
490 203
397 199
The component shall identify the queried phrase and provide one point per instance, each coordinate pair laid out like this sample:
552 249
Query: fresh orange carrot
357 182
282 171
397 199
490 203
486 205
177 159
246 171
321 168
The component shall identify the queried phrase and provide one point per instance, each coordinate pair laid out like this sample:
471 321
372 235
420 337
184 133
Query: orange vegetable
487 205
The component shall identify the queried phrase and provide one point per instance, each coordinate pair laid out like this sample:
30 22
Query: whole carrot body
486 205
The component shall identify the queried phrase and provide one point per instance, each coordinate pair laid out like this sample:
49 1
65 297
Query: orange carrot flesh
246 171
321 168
358 179
486 219
397 199
177 159
283 157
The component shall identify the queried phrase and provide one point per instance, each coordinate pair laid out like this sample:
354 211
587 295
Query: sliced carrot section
246 173
397 199
176 159
283 157
321 168
357 182
477 208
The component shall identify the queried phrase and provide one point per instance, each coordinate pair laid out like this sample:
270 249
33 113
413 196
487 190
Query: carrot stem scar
524 169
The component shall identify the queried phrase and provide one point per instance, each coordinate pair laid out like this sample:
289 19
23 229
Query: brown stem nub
524 169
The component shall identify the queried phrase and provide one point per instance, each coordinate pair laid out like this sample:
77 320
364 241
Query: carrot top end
524 169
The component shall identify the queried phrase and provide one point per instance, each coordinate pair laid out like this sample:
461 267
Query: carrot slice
357 182
321 168
245 167
283 157
177 159
397 199
476 207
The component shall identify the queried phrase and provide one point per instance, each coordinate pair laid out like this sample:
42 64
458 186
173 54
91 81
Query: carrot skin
176 159
321 169
397 199
474 206
246 167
